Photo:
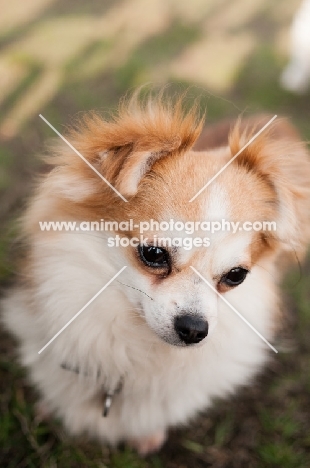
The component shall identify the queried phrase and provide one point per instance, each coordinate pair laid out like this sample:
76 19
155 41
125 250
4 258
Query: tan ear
124 148
280 158
131 169
125 168
134 169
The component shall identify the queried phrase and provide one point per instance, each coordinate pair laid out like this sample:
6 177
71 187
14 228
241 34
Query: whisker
132 287
263 268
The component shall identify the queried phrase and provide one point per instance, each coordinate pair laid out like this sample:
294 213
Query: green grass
277 454
159 49
26 82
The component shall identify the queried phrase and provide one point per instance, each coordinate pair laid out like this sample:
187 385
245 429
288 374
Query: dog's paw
42 411
147 445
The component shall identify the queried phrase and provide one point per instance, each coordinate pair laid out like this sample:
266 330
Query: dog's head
147 154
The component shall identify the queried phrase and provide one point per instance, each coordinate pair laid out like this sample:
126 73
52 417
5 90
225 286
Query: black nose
191 329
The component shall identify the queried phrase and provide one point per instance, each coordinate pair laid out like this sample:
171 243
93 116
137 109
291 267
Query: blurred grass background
59 58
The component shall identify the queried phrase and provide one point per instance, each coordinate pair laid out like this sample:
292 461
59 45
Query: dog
156 345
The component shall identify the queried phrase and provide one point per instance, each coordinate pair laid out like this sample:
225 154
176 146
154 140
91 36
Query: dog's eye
235 276
155 257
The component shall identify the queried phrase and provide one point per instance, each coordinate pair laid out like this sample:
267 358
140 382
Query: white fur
217 203
296 76
164 385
